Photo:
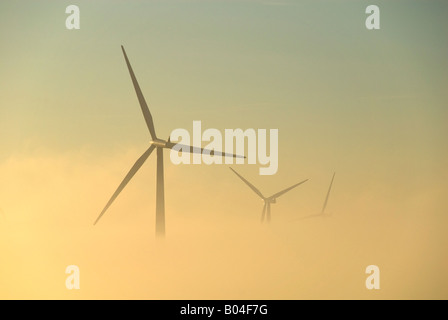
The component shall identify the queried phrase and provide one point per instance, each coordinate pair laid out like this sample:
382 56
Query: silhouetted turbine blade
250 185
263 212
141 99
191 149
328 194
278 194
125 181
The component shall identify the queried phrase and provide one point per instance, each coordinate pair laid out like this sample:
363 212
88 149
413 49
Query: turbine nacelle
159 143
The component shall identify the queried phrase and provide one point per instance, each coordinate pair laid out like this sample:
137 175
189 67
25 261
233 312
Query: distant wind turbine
267 200
322 213
158 144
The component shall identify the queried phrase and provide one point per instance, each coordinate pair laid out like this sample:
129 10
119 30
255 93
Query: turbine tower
267 200
159 145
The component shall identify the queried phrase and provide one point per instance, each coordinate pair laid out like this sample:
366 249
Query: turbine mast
160 196
268 216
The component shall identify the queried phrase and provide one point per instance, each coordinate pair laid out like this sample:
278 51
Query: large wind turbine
267 200
322 213
158 144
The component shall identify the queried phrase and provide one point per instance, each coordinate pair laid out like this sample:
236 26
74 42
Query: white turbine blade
141 98
249 184
278 194
126 179
191 149
328 194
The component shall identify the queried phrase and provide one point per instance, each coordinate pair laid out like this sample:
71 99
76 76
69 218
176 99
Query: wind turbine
267 200
159 145
322 213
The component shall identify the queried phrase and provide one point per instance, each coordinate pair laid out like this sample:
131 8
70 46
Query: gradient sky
370 105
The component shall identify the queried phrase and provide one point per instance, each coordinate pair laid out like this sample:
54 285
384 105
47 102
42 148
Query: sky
369 105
